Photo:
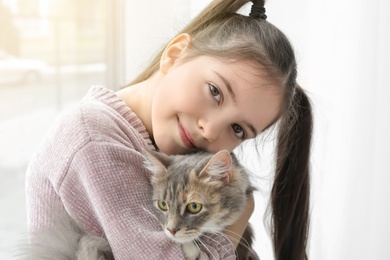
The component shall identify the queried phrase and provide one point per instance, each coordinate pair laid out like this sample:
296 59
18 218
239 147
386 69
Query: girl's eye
194 207
240 133
215 93
162 205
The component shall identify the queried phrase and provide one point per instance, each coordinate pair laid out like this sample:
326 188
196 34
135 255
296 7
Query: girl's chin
171 150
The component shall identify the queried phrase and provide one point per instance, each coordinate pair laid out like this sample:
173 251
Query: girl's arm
235 231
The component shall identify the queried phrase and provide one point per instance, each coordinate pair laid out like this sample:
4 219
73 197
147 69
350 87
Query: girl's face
211 105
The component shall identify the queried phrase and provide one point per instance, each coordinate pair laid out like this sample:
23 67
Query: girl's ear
174 51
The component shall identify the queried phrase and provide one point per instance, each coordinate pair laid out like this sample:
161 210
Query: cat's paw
190 250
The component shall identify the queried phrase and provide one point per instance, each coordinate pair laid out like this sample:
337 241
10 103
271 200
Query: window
51 52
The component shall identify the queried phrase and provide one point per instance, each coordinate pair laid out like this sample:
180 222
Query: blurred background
51 52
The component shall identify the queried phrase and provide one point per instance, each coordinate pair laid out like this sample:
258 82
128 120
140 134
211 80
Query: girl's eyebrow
233 96
227 84
252 128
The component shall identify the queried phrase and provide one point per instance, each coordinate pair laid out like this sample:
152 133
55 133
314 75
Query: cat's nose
173 231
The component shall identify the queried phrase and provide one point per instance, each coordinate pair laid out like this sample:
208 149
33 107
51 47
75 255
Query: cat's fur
218 182
216 185
65 240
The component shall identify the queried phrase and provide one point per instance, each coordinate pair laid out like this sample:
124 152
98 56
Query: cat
192 194
198 193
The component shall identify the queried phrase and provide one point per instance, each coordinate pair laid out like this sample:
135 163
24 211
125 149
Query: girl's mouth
186 138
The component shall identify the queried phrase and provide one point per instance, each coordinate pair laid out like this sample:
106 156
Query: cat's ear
219 167
156 162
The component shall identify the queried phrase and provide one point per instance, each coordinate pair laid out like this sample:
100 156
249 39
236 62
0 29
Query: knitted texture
90 166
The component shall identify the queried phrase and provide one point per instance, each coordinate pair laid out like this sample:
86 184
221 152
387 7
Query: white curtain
343 53
347 63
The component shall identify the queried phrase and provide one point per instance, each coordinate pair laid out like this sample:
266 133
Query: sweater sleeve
107 191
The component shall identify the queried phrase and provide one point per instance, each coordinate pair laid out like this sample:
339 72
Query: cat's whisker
205 246
150 213
229 233
212 239
237 238
241 241
249 249
196 241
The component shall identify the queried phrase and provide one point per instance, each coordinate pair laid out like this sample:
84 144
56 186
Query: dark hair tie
258 12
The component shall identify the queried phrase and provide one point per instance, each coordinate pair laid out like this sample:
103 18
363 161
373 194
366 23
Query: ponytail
291 188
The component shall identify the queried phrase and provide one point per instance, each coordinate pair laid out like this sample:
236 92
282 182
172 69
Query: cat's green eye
162 205
194 207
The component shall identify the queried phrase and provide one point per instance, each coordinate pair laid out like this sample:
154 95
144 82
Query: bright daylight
63 66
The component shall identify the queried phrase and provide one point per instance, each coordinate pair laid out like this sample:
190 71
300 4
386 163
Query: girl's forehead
248 72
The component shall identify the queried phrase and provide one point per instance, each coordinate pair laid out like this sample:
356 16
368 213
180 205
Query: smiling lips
185 137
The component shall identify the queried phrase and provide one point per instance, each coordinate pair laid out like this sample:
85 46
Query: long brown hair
220 32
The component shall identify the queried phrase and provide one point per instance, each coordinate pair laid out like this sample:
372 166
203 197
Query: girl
224 79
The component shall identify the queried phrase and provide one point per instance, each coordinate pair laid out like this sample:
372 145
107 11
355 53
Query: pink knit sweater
91 166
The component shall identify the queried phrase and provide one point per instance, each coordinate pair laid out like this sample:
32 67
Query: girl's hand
234 232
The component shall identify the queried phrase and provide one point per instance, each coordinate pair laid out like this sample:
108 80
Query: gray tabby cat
192 194
198 193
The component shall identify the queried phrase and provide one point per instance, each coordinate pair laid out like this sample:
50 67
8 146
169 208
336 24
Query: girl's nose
210 129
